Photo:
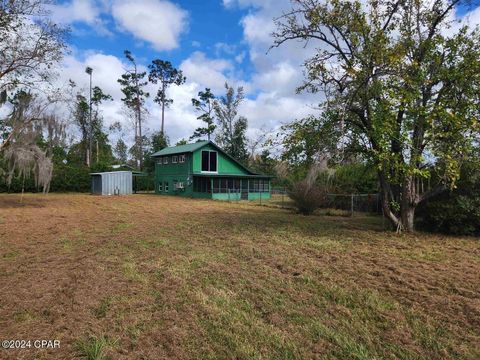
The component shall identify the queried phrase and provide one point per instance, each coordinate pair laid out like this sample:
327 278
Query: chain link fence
347 204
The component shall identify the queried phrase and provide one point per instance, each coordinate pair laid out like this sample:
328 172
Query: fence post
228 194
352 204
260 198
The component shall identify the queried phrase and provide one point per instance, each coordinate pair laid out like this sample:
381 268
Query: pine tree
134 98
164 72
204 105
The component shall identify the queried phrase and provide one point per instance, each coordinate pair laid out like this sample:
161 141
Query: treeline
51 138
398 111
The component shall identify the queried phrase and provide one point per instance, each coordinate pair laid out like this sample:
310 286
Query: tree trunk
163 109
408 217
409 203
140 139
386 200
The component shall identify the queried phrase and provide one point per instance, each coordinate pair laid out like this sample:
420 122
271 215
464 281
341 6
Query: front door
244 194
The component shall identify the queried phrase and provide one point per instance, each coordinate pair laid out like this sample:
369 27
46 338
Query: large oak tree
400 80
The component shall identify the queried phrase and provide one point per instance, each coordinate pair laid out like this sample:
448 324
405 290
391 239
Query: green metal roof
198 145
181 148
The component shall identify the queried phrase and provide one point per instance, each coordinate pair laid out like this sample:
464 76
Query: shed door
96 184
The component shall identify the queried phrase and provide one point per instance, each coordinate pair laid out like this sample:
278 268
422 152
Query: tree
398 83
81 119
457 211
204 105
164 72
98 136
132 83
28 51
90 122
30 44
120 151
232 134
156 142
159 141
24 155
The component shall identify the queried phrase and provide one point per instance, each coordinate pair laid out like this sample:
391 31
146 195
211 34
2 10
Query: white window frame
165 160
160 186
174 159
181 158
201 160
159 161
166 186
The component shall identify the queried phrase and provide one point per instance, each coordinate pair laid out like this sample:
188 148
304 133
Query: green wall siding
170 173
258 196
224 164
183 172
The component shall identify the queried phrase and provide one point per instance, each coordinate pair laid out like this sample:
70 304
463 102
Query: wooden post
352 204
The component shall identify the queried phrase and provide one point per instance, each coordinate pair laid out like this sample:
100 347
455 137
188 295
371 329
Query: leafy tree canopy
402 84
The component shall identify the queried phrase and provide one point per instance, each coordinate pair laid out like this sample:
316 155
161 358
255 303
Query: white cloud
76 11
269 111
158 22
282 79
180 118
80 11
106 70
206 72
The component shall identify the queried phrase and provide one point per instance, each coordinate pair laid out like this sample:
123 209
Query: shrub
455 212
306 197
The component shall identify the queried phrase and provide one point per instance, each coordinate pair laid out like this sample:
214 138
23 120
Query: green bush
455 212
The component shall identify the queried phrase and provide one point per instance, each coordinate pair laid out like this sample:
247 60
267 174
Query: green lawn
150 277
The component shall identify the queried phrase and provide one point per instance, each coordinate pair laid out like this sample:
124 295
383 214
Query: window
209 161
181 158
201 184
166 186
259 185
160 187
165 160
159 161
174 159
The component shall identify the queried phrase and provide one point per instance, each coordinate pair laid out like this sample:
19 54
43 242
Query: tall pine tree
132 83
204 105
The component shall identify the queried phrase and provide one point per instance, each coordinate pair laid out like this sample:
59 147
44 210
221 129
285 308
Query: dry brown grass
149 277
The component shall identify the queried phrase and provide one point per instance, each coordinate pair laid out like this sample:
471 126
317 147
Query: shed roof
181 148
134 172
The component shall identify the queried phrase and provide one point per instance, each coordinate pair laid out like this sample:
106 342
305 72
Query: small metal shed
112 183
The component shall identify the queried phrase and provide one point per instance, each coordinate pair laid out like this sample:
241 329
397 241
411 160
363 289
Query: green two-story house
203 170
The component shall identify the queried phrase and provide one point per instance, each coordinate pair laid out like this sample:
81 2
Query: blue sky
211 41
209 23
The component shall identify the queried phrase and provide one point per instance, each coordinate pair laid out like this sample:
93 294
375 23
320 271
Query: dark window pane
205 161
213 161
